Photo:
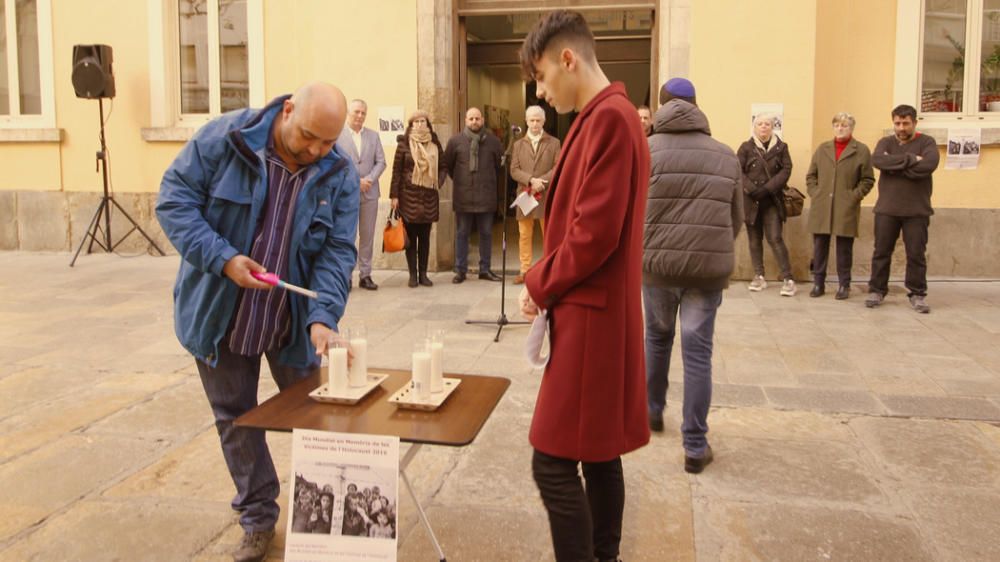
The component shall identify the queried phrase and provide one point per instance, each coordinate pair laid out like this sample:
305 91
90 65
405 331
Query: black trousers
821 255
586 522
419 250
887 229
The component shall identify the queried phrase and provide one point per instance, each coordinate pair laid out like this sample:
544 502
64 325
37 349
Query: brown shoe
519 280
695 465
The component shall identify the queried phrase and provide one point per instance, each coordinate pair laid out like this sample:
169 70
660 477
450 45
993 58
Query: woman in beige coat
532 161
839 177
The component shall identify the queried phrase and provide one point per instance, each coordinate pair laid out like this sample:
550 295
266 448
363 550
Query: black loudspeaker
92 74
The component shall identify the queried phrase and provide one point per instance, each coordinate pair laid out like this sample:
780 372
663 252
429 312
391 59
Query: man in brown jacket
533 158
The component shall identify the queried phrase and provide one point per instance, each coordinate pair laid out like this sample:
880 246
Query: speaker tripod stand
502 320
104 208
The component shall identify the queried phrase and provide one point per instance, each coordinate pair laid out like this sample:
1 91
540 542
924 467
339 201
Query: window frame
164 64
47 118
908 87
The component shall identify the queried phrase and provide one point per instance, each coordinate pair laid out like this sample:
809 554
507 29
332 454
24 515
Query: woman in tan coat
532 161
839 177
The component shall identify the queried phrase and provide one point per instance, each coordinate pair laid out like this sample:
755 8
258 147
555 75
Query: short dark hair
646 107
904 110
562 28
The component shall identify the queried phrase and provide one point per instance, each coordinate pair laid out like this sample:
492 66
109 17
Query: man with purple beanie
693 214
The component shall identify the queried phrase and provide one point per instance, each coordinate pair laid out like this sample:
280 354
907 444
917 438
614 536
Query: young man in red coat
591 406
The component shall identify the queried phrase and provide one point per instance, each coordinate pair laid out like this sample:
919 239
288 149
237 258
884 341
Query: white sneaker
758 284
788 288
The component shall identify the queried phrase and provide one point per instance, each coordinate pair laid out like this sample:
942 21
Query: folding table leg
412 452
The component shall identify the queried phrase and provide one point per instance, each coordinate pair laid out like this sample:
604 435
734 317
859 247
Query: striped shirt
262 320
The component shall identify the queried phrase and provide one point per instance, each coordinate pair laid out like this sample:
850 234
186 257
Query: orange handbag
394 235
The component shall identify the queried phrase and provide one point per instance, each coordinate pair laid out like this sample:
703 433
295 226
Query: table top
455 423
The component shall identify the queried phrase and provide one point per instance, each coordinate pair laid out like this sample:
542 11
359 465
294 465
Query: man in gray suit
365 149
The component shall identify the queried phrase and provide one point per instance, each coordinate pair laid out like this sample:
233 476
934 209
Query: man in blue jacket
255 191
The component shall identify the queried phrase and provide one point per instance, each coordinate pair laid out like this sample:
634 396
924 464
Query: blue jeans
463 227
697 310
231 388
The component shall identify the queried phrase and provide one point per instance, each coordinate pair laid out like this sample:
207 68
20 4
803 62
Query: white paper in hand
536 337
525 202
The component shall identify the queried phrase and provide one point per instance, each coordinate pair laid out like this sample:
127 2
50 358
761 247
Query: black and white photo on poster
963 149
391 124
344 497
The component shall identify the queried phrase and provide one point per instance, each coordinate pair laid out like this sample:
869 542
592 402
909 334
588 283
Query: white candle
437 373
359 365
338 370
422 374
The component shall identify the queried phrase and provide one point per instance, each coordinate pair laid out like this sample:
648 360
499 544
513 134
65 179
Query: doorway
489 73
488 76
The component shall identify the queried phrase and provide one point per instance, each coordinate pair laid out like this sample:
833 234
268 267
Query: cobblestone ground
840 433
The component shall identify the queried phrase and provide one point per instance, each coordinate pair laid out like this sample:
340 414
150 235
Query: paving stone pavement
840 433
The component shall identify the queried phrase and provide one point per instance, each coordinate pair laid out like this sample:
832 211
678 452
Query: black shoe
423 280
458 278
843 292
656 422
413 280
694 465
489 276
817 291
367 283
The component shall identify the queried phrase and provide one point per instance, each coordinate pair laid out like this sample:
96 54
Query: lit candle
359 365
437 374
338 370
422 374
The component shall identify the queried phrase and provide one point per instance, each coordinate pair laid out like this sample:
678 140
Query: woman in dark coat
766 167
418 172
840 175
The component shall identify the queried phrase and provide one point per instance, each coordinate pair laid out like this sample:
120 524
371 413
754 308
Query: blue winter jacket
211 199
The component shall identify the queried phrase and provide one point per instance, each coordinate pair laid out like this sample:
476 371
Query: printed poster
963 149
391 123
777 110
344 497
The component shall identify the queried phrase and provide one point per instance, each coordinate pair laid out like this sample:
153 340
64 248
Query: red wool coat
592 401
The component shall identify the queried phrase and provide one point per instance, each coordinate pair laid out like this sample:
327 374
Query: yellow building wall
30 166
76 23
967 188
366 48
854 75
744 53
857 76
816 57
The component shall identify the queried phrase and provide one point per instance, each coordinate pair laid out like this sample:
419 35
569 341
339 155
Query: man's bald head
323 106
474 119
312 119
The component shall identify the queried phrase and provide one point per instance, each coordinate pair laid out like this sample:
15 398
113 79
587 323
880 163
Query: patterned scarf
474 140
425 159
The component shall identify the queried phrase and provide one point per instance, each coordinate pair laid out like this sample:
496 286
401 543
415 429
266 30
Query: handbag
394 237
794 200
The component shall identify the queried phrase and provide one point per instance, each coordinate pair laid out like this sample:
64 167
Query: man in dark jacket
693 214
255 191
906 159
472 159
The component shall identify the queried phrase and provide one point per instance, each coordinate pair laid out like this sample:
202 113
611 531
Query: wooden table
456 423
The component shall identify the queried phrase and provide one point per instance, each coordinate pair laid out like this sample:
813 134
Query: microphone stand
502 320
